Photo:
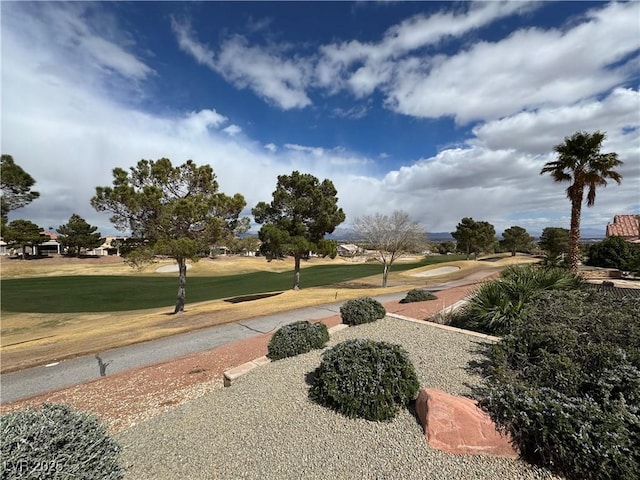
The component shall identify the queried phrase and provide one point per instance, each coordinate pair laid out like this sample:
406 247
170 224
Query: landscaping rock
456 425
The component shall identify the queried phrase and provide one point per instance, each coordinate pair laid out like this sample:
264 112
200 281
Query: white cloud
268 72
198 122
113 57
271 147
70 134
189 44
67 29
619 110
374 62
337 156
531 68
274 74
356 112
232 130
316 151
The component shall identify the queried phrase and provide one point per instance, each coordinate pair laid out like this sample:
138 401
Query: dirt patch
171 268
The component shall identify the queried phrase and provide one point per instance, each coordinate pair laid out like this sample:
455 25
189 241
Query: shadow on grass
249 298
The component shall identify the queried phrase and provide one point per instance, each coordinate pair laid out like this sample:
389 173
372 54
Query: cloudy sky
441 109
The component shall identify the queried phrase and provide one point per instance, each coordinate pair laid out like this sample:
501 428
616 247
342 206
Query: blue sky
441 109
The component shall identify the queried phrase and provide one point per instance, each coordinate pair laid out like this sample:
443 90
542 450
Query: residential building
625 226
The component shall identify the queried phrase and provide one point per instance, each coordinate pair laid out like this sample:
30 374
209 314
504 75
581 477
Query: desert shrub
418 295
296 338
542 278
367 379
361 310
497 305
614 252
54 443
565 383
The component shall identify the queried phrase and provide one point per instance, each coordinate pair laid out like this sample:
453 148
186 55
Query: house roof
624 226
349 246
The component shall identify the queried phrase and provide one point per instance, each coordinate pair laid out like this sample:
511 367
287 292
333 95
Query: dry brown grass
34 339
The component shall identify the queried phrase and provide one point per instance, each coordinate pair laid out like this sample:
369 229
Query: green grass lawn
75 294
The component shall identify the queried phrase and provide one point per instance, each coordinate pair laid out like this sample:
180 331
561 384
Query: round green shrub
418 295
366 379
361 310
54 443
296 338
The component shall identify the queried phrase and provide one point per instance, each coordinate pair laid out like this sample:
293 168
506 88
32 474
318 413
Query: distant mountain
439 237
348 235
592 232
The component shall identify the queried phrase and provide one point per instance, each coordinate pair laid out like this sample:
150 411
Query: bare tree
391 236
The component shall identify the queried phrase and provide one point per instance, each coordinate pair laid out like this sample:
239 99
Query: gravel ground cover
265 427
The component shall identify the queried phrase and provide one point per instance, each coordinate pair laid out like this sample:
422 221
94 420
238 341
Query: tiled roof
624 226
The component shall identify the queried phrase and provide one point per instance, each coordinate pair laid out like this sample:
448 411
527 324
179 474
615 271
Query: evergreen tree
302 211
78 234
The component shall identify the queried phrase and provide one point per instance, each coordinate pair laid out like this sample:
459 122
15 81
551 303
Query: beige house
348 250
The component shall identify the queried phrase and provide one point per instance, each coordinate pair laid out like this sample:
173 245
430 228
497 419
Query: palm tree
581 163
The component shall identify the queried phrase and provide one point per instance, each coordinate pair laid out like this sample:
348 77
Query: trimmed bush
565 383
366 379
361 310
55 443
296 338
418 295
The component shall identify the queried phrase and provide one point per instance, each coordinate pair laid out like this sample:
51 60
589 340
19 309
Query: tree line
178 211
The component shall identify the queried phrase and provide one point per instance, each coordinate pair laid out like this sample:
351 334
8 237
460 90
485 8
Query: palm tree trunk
182 282
574 233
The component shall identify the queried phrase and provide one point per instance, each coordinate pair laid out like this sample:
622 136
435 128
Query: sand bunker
436 271
170 268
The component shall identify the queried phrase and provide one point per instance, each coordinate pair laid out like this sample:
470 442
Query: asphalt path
57 375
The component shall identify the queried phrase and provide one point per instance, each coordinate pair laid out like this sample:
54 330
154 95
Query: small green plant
418 295
55 443
366 379
296 338
361 310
